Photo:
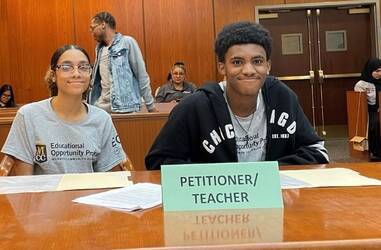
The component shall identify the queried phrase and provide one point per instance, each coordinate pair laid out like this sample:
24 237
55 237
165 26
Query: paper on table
329 177
94 180
290 182
134 197
29 183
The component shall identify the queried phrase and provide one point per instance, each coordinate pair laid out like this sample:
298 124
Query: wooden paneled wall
128 15
228 11
31 30
179 31
166 30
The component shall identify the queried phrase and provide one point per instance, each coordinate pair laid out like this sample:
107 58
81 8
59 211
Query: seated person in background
63 134
249 117
7 98
370 82
176 87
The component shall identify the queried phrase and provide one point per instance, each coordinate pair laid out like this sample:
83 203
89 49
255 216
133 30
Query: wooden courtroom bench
137 131
8 112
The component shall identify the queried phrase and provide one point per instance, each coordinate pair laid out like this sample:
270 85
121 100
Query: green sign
221 186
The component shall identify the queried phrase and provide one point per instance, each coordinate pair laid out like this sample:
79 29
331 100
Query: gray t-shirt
250 132
54 146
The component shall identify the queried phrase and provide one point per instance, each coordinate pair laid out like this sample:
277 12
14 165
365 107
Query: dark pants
374 134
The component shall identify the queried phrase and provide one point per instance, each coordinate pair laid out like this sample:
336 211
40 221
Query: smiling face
75 81
245 68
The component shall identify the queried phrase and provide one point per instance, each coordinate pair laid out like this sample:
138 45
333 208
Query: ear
268 66
53 75
221 68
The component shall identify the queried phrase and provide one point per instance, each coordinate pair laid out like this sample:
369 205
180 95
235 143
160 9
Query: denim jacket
130 80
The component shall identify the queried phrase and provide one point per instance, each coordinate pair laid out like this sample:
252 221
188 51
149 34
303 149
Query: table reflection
223 227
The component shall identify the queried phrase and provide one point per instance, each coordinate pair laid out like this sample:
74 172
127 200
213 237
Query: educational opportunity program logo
41 155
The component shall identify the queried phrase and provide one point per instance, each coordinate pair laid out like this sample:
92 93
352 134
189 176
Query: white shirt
250 132
370 90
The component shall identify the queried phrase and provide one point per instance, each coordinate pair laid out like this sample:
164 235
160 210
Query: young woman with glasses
63 134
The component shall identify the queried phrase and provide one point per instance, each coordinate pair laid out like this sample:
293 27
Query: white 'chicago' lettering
218 136
282 121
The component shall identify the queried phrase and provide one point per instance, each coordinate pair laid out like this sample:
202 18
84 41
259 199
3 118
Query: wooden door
319 53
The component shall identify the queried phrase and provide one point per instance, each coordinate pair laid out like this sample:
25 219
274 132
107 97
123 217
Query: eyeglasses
68 68
178 73
93 27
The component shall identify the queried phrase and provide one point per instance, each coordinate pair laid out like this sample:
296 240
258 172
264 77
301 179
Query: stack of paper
134 197
94 180
325 177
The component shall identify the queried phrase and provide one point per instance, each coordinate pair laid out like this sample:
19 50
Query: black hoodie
199 130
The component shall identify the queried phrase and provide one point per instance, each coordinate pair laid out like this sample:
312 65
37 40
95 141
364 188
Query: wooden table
316 218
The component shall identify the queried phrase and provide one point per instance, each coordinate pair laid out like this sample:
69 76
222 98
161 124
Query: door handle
321 76
312 77
294 78
345 75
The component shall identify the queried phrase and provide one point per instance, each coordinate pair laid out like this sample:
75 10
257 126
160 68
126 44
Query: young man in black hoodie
250 116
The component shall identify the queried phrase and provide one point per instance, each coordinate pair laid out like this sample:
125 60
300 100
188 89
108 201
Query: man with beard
119 79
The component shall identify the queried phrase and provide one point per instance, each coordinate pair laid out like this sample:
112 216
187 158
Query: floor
336 142
338 150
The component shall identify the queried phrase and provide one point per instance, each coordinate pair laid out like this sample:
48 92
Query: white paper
327 177
287 182
29 183
59 182
95 180
134 197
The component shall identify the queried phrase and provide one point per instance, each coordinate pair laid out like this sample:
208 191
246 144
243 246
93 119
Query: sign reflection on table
223 227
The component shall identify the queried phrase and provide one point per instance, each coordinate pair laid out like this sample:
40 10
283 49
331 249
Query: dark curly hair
105 17
242 33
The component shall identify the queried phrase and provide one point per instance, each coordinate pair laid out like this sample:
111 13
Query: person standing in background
119 79
370 82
